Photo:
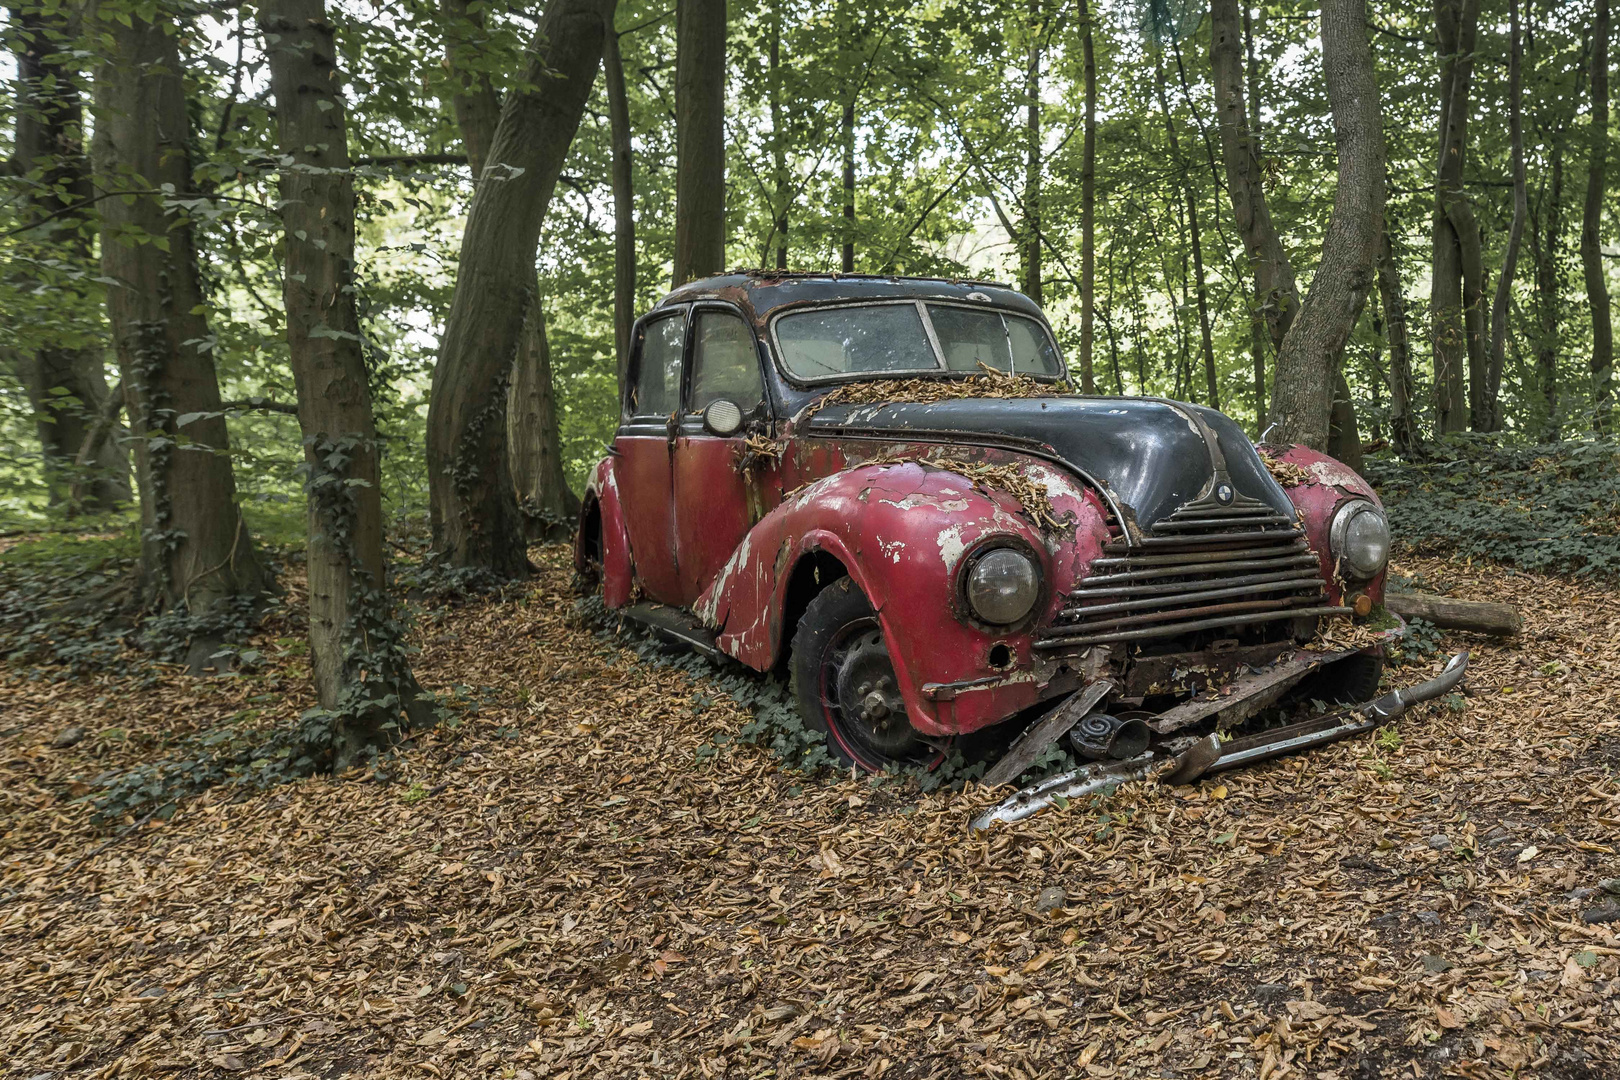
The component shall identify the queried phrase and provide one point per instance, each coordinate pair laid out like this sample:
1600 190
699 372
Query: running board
674 625
1211 755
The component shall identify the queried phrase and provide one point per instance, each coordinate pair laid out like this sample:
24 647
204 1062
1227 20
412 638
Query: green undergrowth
1553 508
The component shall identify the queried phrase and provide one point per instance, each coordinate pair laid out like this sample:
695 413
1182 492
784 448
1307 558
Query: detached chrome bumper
1178 763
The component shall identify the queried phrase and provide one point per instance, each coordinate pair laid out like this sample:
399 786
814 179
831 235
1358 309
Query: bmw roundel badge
1224 493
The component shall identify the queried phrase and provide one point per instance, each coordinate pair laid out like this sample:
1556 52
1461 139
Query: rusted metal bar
1044 732
1276 562
1253 521
1155 544
1191 558
1177 629
1246 693
1174 588
1207 610
1295 581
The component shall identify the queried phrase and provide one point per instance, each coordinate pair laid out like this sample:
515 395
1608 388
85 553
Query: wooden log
1502 620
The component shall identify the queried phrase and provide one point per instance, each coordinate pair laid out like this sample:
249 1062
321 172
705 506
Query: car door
645 449
715 504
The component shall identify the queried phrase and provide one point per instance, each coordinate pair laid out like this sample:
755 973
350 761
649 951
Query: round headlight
1002 585
1360 539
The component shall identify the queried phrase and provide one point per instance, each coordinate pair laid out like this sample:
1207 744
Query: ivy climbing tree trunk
65 380
195 549
1032 168
1308 362
624 201
533 439
700 138
358 654
1088 209
1490 397
477 524
1597 286
1454 292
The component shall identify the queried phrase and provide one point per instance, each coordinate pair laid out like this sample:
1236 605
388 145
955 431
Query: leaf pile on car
986 383
588 875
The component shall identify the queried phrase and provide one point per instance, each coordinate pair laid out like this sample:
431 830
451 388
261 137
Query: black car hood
1149 455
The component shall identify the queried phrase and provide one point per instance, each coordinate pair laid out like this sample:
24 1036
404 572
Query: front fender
1328 485
602 493
901 531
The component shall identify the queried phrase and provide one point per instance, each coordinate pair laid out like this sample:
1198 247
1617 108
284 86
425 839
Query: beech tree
477 524
1597 286
195 548
700 139
1307 363
358 656
64 376
1457 290
1088 204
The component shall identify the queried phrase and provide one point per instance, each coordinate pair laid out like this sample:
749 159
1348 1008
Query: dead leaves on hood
582 879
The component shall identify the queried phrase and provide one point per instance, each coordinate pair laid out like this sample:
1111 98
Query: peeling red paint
1332 484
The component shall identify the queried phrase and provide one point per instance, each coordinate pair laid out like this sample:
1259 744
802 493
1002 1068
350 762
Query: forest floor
582 878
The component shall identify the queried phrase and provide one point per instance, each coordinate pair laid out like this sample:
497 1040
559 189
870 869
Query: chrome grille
1207 566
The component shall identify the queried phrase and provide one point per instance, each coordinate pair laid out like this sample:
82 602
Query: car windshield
894 338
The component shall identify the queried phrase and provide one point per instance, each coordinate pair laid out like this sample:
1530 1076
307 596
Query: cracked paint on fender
1332 484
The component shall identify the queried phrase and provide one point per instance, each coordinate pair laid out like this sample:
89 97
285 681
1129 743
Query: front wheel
844 682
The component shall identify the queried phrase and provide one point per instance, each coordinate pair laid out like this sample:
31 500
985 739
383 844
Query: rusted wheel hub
867 698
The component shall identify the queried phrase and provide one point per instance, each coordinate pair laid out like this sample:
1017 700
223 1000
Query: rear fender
901 531
602 495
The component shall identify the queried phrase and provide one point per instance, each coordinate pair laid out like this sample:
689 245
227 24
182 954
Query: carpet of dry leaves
573 882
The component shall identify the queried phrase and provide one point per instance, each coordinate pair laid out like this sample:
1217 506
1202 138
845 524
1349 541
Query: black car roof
764 292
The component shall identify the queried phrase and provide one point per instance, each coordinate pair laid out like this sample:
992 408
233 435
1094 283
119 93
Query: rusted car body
993 556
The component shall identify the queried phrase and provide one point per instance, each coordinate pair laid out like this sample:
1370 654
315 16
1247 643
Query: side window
658 376
725 363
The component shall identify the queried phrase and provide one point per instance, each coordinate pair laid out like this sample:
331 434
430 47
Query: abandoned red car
889 487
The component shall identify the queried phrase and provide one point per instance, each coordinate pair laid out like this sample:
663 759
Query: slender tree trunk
1088 208
1492 418
195 551
1546 242
624 201
779 140
700 138
65 381
1277 295
476 520
533 443
1310 354
1456 235
1344 438
1257 322
1032 172
847 261
357 650
1403 428
1597 288
1200 290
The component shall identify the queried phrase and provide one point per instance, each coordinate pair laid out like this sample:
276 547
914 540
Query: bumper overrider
1185 759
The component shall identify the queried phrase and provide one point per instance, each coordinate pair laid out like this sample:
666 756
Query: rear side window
658 377
725 363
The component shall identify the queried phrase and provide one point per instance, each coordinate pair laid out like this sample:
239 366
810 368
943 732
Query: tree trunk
195 550
1200 288
1088 209
1344 438
1403 429
1546 242
700 138
550 509
358 651
477 105
779 139
1257 322
1491 420
476 520
1480 617
1277 295
624 202
847 260
1597 287
65 382
1032 172
1456 236
1310 354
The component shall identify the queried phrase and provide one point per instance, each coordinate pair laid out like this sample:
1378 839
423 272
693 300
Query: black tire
837 652
1350 681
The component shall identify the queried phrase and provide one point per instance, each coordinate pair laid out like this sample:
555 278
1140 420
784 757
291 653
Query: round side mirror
722 417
